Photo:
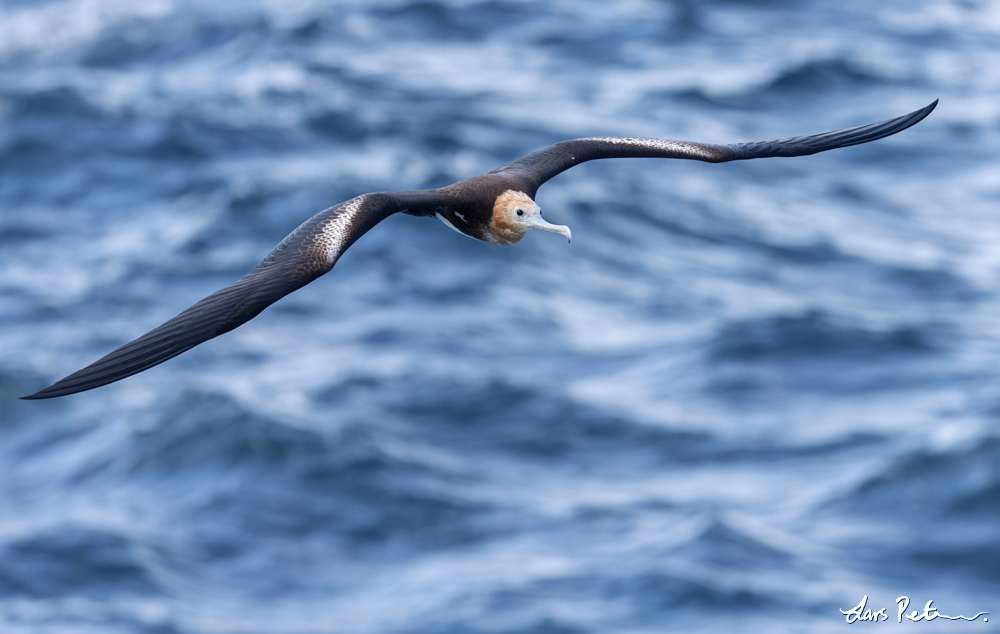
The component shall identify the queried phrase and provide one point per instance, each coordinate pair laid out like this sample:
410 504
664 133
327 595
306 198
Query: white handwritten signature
861 613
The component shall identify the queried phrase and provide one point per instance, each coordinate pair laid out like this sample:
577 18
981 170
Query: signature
862 613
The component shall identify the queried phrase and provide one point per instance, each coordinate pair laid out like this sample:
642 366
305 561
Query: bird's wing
542 165
306 254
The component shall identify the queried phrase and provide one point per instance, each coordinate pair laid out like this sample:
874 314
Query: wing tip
912 119
51 391
38 396
926 110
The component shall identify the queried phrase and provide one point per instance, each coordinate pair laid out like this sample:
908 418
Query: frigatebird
498 208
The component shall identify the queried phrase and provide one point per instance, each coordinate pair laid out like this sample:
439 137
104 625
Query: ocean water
745 396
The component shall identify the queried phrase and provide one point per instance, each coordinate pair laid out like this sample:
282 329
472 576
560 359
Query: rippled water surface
744 397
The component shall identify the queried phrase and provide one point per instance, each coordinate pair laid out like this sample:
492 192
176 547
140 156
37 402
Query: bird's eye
520 212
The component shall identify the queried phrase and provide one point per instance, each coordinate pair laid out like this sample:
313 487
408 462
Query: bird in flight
498 208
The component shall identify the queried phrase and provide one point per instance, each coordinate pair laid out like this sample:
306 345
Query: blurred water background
745 396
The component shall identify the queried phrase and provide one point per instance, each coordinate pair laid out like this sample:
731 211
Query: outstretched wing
542 165
306 254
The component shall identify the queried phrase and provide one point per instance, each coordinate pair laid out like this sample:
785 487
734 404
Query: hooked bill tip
537 223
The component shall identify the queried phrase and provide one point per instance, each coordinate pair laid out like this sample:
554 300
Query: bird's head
514 213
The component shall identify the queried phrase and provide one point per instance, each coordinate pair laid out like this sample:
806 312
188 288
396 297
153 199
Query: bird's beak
536 222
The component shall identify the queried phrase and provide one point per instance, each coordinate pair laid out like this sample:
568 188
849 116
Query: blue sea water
745 396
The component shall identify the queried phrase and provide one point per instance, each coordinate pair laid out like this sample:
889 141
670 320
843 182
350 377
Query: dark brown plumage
497 207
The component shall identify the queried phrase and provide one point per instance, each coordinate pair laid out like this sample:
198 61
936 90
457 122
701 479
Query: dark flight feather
540 166
306 254
315 246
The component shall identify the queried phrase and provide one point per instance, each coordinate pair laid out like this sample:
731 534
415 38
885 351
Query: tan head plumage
507 224
513 214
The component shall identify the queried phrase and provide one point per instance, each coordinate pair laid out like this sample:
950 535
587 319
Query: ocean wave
815 334
744 391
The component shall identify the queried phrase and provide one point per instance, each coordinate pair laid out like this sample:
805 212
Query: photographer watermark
862 613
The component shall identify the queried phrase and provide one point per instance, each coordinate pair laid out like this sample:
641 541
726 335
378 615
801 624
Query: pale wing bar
306 254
